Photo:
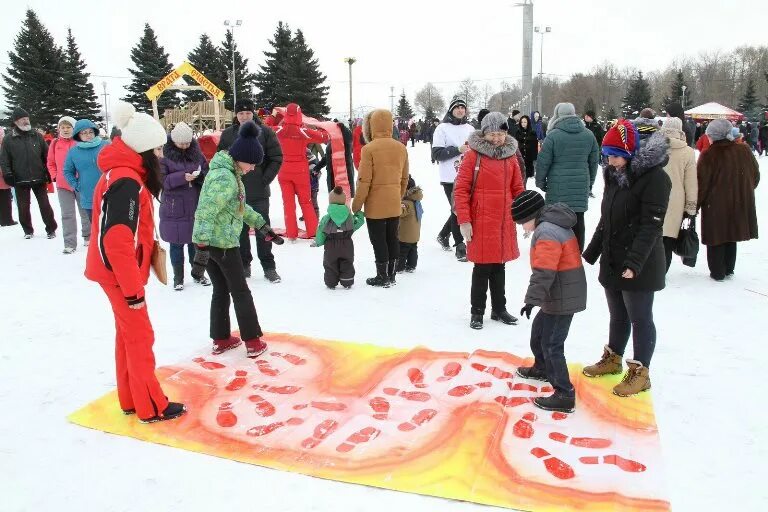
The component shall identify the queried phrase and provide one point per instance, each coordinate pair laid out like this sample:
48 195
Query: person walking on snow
381 184
23 159
628 241
123 223
219 218
6 198
409 230
488 180
334 232
294 139
183 169
257 186
558 286
80 169
449 142
528 145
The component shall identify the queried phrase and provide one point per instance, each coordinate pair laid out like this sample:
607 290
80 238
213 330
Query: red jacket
294 139
122 228
357 145
703 143
489 209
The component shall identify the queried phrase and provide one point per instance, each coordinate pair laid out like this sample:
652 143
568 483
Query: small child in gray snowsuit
335 233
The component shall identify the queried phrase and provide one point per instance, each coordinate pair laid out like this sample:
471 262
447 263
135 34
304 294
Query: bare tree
468 91
429 101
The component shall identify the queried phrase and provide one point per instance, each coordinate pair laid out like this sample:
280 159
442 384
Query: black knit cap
246 147
19 113
245 105
527 206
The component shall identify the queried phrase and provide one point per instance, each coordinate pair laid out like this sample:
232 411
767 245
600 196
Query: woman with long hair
119 259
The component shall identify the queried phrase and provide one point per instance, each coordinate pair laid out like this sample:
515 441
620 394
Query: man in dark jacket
23 161
512 126
675 109
257 186
597 130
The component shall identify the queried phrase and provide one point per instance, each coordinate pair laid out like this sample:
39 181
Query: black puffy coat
23 158
327 161
629 235
257 182
529 146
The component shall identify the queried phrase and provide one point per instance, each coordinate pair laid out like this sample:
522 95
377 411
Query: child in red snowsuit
294 139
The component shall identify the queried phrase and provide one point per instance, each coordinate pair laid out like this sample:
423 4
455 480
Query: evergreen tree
271 79
33 78
208 60
305 83
638 96
676 92
244 79
748 102
589 106
79 98
152 64
404 110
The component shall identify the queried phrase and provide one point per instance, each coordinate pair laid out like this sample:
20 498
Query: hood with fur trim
377 124
652 155
192 154
485 148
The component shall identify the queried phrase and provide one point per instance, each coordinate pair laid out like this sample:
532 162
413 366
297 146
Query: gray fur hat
719 129
494 122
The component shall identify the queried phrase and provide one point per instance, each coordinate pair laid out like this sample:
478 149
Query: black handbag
687 245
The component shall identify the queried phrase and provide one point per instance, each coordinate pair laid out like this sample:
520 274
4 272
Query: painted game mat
447 424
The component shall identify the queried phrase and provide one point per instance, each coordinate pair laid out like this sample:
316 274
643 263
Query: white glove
466 231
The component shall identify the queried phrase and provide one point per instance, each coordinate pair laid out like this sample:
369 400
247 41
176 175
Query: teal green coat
338 214
567 164
221 210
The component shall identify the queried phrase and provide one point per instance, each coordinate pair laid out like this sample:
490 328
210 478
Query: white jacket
446 135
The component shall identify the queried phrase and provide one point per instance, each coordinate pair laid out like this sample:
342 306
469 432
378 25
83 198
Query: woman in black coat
529 146
628 241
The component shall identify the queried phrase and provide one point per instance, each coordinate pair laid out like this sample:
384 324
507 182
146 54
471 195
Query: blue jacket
80 169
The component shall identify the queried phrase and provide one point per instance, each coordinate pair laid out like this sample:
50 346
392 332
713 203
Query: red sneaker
255 347
221 346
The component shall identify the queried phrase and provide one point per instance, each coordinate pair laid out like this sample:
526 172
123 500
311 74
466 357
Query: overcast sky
403 43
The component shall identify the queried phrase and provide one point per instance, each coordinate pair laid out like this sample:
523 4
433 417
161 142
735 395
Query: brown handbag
158 260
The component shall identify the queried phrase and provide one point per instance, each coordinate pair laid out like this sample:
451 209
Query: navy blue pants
548 334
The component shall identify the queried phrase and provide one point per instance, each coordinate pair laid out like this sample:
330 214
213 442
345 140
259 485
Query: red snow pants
292 186
137 386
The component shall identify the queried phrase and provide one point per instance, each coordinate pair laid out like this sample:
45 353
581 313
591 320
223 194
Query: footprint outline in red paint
628 465
554 466
581 442
321 432
208 365
420 418
364 435
523 428
450 370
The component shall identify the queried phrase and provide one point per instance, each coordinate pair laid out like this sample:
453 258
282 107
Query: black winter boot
476 322
461 252
381 279
392 272
532 373
178 277
503 317
557 401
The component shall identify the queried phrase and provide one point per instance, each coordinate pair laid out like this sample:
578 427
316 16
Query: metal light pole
350 61
682 101
106 108
392 99
527 6
232 26
542 31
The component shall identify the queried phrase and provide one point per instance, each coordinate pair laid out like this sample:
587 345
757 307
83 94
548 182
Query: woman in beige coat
681 169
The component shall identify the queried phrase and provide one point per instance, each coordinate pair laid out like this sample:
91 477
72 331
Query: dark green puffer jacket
567 164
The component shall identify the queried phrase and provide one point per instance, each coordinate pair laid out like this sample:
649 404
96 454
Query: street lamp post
542 31
106 108
682 100
350 61
232 26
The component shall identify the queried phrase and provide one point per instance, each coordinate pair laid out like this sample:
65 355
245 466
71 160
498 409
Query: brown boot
609 364
635 381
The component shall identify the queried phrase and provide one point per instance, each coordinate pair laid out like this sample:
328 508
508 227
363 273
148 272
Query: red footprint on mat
520 386
512 401
238 382
414 396
263 407
280 390
555 466
329 406
416 377
380 407
627 465
581 442
361 436
263 430
523 428
266 368
294 360
467 389
496 372
450 370
208 365
418 420
559 416
225 417
323 430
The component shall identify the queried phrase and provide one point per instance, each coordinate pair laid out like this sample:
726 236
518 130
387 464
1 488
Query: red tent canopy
712 110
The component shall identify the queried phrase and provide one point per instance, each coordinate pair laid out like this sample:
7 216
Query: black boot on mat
557 402
173 411
531 373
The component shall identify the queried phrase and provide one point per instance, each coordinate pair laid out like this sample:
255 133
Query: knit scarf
96 142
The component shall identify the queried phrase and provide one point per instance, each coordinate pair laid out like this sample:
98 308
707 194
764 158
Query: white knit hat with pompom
140 132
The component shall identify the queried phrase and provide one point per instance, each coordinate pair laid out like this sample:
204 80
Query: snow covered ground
56 354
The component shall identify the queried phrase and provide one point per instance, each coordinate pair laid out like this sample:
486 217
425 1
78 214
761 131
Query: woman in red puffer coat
483 196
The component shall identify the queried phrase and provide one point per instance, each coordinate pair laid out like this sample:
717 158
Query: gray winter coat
558 283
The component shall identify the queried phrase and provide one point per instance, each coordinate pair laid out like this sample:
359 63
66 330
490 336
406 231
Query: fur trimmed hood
377 124
653 154
191 154
485 148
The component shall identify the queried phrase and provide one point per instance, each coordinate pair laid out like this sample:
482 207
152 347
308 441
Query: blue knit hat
246 147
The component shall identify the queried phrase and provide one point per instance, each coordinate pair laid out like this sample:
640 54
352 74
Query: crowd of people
653 187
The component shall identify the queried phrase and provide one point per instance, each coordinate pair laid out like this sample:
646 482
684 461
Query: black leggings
383 235
632 312
484 276
225 268
452 224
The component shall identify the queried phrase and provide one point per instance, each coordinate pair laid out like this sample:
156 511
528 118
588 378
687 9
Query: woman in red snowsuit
119 258
293 180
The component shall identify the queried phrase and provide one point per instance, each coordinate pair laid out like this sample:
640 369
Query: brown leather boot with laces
635 381
609 364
